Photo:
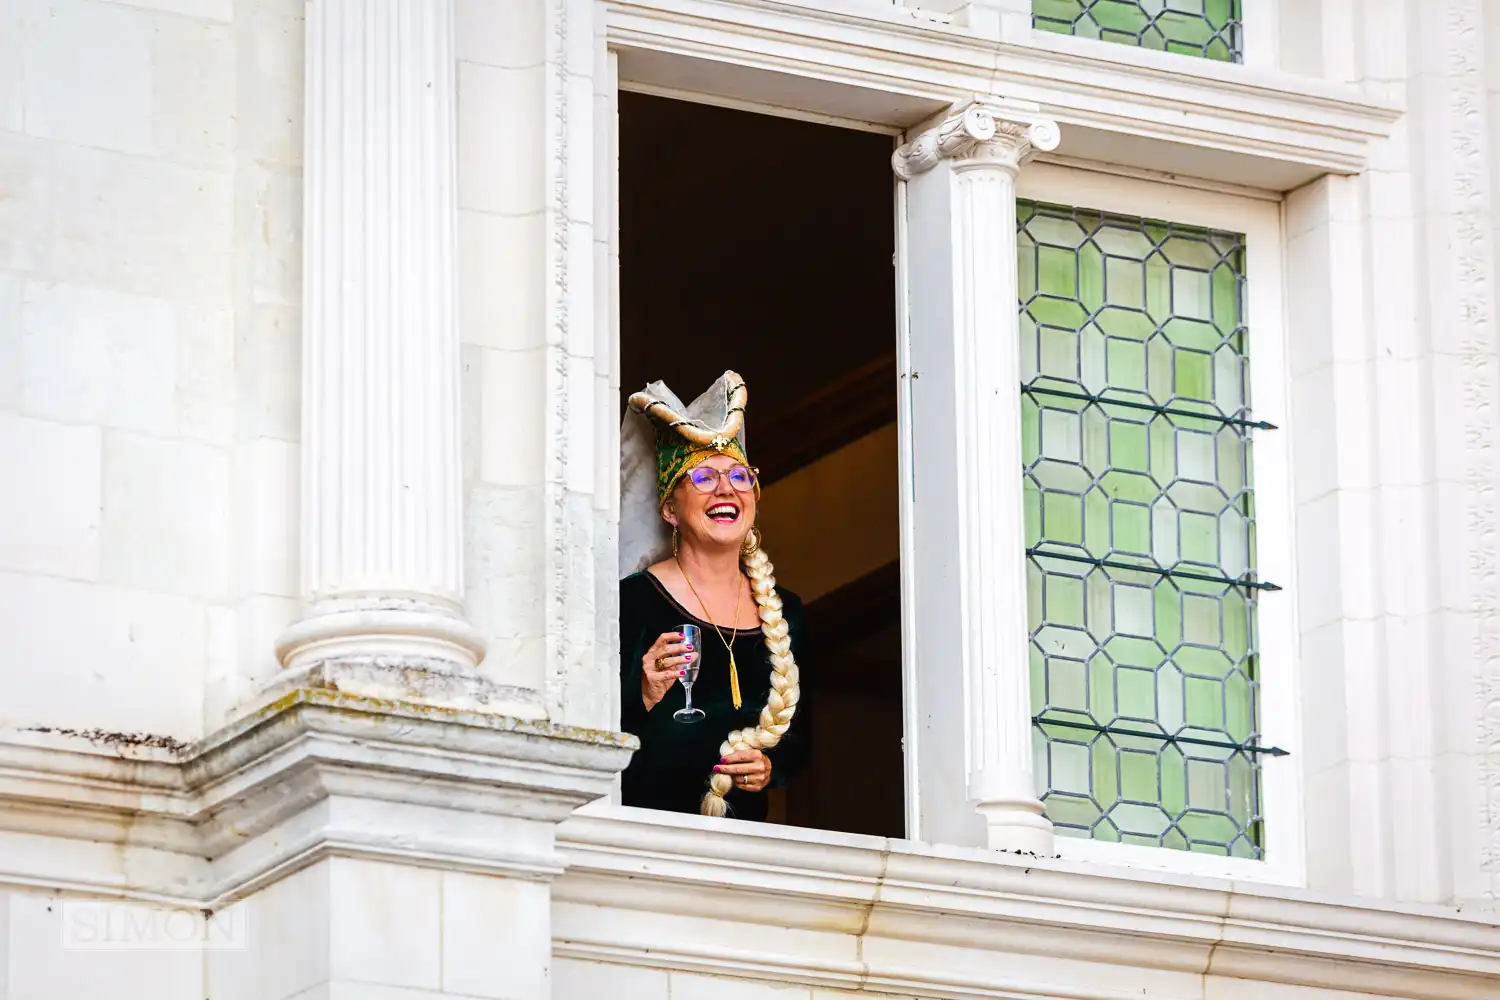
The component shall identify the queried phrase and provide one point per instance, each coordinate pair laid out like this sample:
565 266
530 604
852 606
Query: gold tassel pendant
734 681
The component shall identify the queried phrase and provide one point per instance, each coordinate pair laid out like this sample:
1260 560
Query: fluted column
382 535
973 155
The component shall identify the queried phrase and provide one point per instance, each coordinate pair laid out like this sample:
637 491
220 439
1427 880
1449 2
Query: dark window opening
766 245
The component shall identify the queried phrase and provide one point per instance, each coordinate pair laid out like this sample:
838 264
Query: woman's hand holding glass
664 664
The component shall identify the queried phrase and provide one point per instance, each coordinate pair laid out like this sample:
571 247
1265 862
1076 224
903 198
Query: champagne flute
690 635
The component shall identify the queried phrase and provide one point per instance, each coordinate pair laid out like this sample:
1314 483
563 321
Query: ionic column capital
983 130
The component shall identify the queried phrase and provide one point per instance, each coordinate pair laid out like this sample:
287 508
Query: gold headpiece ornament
688 436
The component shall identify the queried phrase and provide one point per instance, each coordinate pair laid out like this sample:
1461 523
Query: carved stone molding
984 129
316 774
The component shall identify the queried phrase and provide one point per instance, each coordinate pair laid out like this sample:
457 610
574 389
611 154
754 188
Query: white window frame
1259 219
1193 203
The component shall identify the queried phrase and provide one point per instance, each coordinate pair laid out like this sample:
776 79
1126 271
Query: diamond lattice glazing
1209 29
1140 529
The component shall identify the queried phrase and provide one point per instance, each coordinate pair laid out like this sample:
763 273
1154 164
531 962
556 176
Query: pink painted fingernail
717 769
682 673
689 646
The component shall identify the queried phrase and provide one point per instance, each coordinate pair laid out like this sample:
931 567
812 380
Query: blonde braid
781 703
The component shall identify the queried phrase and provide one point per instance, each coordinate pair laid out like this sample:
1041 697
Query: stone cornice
879 894
317 773
876 63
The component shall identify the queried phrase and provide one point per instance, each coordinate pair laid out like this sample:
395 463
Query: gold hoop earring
751 542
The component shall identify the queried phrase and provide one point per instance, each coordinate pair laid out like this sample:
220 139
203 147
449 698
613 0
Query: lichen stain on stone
325 697
117 740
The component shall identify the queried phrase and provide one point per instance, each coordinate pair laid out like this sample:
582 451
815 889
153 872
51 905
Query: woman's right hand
662 666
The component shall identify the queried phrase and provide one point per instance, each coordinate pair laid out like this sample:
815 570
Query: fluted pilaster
985 144
382 535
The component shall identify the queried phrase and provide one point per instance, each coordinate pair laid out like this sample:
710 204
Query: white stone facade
307 564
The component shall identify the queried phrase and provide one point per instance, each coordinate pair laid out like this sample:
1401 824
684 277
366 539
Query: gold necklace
734 676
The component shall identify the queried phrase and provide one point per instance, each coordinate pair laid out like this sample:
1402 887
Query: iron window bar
1037 551
1032 389
1249 748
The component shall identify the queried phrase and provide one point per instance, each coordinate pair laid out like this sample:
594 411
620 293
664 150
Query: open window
774 257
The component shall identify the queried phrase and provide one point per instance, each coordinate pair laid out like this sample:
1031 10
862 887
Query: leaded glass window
1210 29
1140 530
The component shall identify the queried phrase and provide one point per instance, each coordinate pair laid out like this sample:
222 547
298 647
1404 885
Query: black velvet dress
671 769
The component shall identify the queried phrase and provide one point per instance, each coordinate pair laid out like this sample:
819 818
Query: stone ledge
317 773
850 912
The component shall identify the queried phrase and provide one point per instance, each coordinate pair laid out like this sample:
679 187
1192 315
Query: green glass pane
1064 600
1057 272
1224 290
1192 374
1169 705
1026 267
1205 703
1174 796
1135 693
1066 313
1030 347
1031 429
1106 789
1102 703
1095 427
1138 776
1200 620
1031 504
1127 445
1209 663
1131 324
1058 351
1133 611
1062 435
1243 791
1125 283
1133 308
1070 767
1158 273
1067 685
1236 624
1093 358
1208 831
1129 651
1239 710
1062 518
1143 824
1130 486
1168 619
1207 784
1090 277
1197 455
1130 528
1198 538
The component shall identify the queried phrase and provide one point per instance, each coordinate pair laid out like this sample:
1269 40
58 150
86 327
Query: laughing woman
693 557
